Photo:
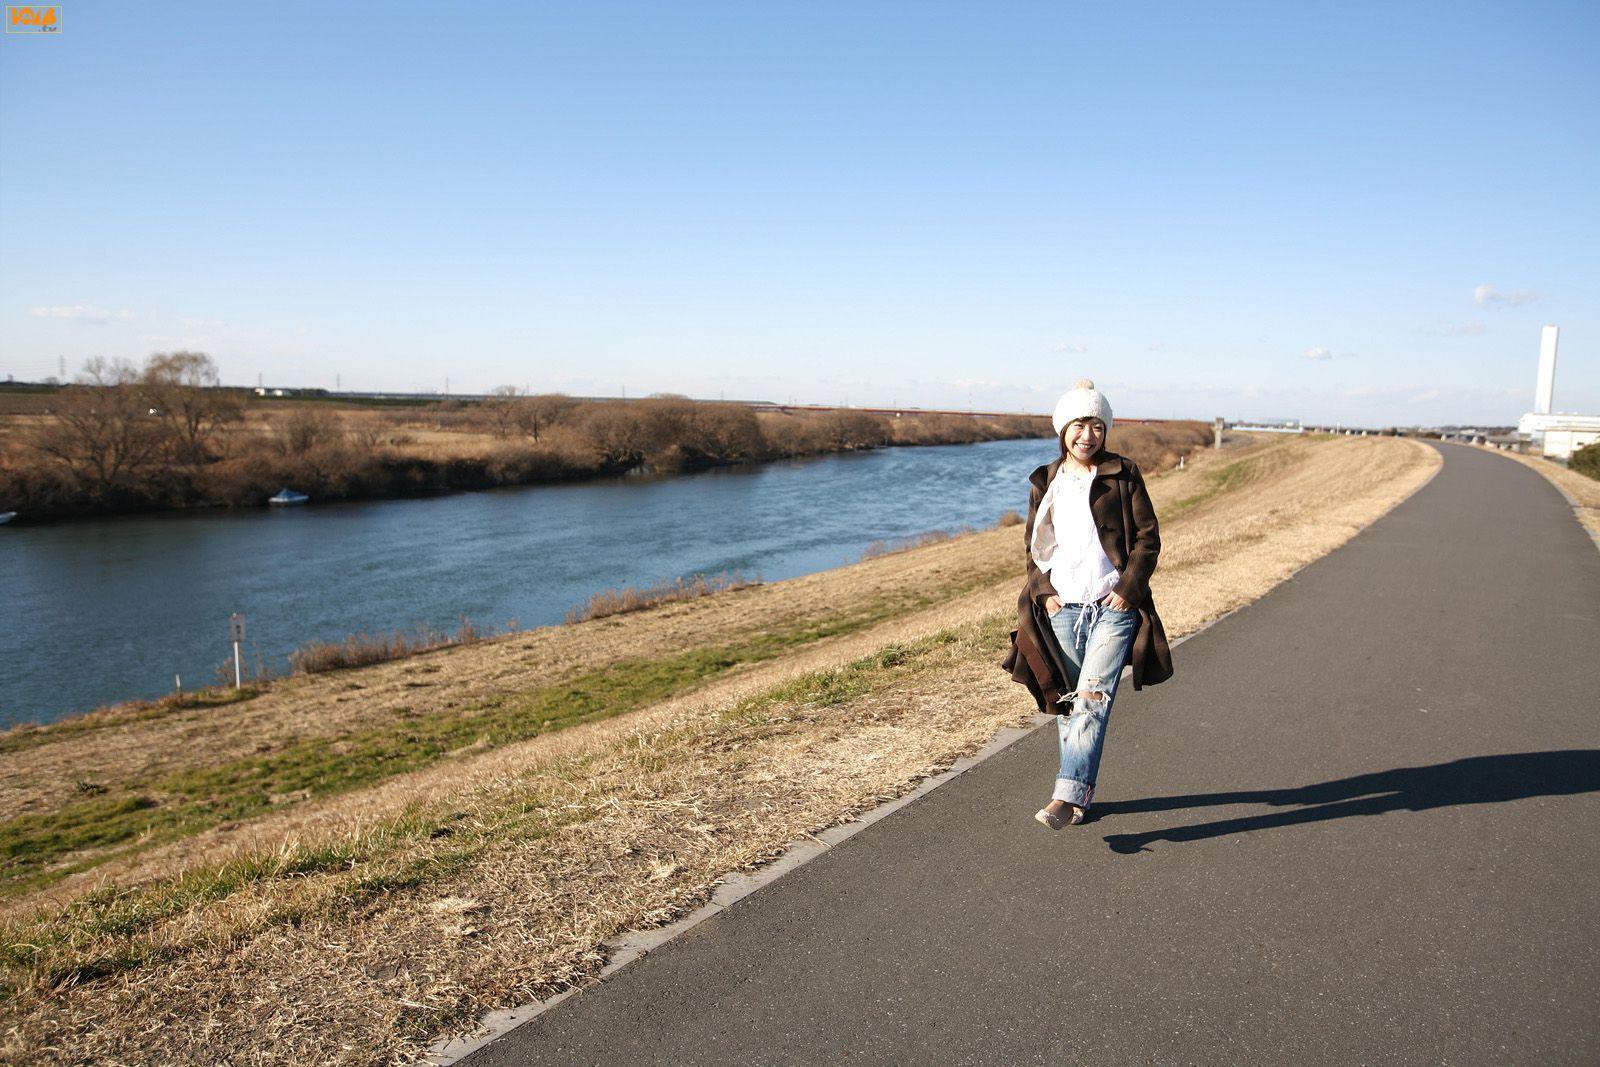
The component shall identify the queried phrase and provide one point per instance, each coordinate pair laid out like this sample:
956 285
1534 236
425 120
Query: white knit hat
1082 401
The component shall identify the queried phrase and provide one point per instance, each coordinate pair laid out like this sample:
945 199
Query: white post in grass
236 632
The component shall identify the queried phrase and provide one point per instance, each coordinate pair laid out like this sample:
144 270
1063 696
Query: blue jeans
1094 640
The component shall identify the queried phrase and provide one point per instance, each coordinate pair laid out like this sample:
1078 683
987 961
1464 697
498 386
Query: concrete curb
636 944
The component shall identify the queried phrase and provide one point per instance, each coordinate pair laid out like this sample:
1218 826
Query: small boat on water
286 497
7 516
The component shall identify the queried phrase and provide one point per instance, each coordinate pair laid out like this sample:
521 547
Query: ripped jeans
1094 640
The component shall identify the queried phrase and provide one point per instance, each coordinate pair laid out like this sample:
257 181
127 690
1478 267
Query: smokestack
1544 392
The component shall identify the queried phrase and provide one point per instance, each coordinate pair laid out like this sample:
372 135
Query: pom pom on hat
1082 401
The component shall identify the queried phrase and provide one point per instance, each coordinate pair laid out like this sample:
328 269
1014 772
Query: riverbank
386 853
104 450
163 587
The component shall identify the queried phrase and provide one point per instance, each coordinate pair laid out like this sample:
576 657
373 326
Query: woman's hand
1116 603
1052 604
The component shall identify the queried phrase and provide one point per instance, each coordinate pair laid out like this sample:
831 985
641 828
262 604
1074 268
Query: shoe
1056 822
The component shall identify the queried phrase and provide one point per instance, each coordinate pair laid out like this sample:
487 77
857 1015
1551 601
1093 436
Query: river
103 610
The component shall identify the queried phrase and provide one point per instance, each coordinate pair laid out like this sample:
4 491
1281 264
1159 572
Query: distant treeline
167 436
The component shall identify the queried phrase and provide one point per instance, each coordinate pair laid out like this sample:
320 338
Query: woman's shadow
1477 780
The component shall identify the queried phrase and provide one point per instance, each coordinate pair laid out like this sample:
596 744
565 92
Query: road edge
1588 515
636 944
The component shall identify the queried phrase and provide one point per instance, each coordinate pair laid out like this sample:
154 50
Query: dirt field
264 924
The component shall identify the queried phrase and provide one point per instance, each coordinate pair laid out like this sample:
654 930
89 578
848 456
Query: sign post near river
236 633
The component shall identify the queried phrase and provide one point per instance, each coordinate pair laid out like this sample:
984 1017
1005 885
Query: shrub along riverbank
168 437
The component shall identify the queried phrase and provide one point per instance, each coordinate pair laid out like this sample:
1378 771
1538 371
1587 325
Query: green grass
101 933
1216 482
40 848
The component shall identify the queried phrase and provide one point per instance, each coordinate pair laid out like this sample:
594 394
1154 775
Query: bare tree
102 431
503 408
667 419
617 433
729 432
539 413
847 430
305 430
185 392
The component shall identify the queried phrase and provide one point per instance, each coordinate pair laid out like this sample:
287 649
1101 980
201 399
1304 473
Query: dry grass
907 544
358 928
364 650
629 599
145 752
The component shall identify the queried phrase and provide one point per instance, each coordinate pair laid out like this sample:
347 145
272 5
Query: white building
1557 433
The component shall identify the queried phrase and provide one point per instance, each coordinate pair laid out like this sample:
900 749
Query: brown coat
1128 532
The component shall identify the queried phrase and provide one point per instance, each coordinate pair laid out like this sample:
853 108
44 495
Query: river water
102 610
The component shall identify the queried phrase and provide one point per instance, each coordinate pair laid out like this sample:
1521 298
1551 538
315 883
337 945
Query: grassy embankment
487 873
100 451
91 818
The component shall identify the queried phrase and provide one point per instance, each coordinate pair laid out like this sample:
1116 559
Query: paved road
1362 825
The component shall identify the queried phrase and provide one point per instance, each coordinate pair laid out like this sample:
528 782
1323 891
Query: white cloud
80 313
1487 295
1318 353
1066 346
1158 346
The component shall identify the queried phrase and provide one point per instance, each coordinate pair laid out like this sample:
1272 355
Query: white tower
1544 392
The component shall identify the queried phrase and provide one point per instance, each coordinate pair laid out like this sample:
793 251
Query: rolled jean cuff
1073 792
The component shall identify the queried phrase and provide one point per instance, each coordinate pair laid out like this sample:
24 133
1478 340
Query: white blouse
1066 545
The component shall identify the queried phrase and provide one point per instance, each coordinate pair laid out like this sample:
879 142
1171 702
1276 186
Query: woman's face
1083 438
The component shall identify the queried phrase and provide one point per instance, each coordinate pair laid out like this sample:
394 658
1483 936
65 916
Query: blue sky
1358 212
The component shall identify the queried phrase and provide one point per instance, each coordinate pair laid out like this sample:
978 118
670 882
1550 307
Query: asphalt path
1361 825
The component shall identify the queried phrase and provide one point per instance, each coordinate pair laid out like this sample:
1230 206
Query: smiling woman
1085 608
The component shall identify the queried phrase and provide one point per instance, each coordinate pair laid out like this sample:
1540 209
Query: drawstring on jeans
1085 616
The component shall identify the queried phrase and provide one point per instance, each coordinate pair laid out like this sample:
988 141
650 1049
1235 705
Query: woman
1085 610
